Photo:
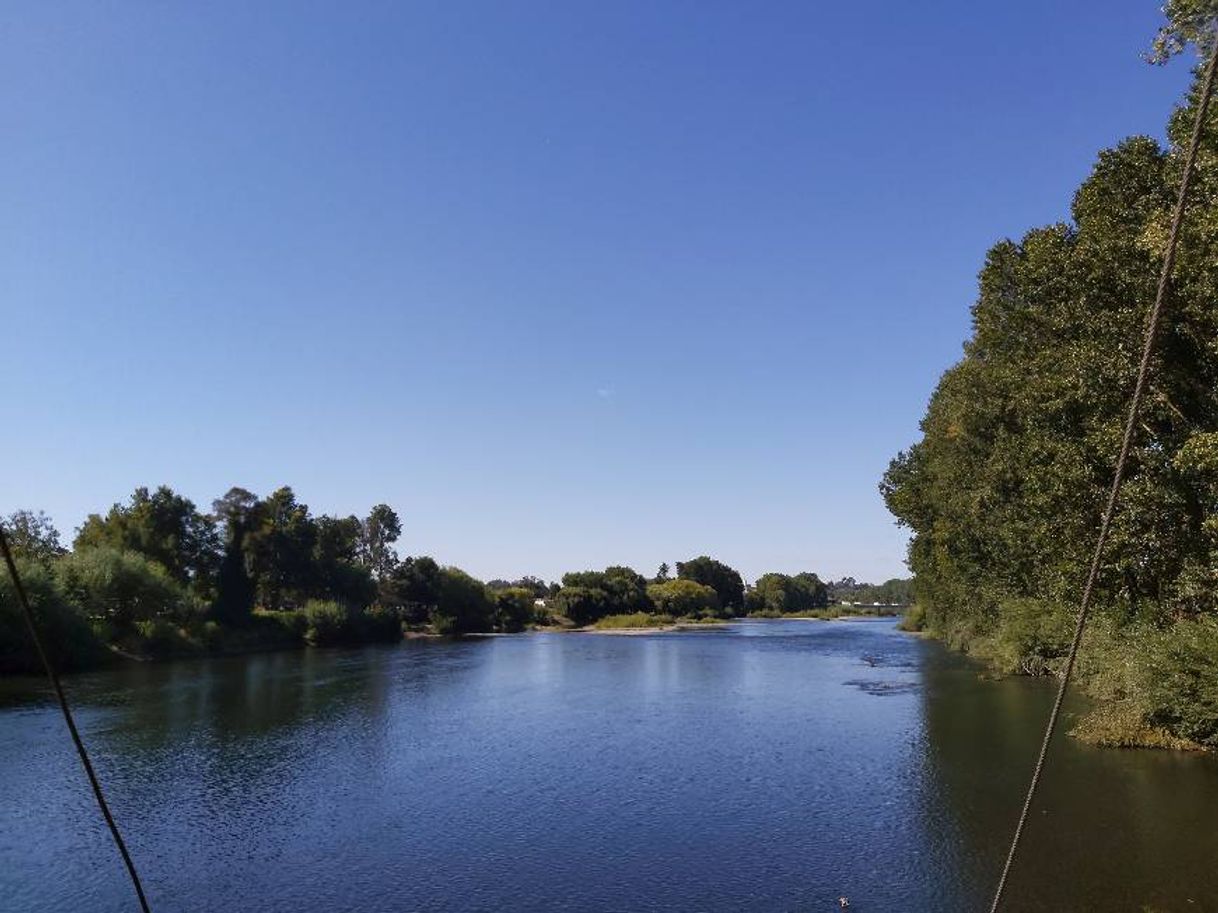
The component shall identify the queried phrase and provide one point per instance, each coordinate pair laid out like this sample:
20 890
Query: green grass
635 620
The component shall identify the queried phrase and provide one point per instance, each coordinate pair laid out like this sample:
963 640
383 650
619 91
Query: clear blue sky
567 284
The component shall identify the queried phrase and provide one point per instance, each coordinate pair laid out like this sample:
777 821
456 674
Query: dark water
770 766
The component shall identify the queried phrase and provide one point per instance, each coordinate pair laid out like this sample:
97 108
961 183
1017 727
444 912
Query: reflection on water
768 766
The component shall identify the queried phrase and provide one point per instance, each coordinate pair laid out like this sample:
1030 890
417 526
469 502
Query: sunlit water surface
769 766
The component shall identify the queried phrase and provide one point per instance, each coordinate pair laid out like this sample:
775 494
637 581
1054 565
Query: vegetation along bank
1003 492
157 577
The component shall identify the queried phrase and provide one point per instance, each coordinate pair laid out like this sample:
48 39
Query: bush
462 607
326 623
684 598
914 619
161 637
380 625
514 608
1179 680
66 636
1032 637
119 588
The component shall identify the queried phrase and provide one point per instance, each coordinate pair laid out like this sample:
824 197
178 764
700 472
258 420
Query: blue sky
567 284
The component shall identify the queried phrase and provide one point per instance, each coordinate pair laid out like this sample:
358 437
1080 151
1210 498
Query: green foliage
633 620
514 608
725 581
462 606
779 594
1004 491
914 619
1188 22
115 589
587 596
685 598
895 592
32 535
164 527
326 623
378 532
412 588
69 640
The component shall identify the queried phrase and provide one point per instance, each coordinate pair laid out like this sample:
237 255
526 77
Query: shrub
914 619
119 588
380 625
514 608
326 623
462 607
684 598
66 636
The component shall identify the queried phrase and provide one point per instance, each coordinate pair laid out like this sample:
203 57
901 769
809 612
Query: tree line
1004 490
157 575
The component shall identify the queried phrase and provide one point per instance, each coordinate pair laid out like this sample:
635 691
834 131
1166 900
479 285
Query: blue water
768 766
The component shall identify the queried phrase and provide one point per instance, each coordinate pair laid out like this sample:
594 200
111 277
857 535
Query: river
761 766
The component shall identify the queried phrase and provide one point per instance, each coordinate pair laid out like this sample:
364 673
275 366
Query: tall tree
724 580
165 527
32 535
379 531
235 593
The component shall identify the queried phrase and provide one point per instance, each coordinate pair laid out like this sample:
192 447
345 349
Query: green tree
338 573
281 546
66 636
725 581
378 532
32 535
684 598
587 596
413 589
120 588
463 606
234 601
163 526
513 608
663 573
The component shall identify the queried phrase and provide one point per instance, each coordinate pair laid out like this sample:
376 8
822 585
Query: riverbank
1147 687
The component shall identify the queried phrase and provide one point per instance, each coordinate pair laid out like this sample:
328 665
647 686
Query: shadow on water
1111 829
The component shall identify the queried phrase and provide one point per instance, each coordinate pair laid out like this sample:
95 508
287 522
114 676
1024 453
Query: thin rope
32 625
1135 406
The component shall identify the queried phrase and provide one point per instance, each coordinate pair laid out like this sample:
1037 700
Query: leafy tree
725 581
463 606
378 532
163 526
1004 491
120 588
684 598
235 594
663 573
32 535
587 596
338 574
66 636
513 608
281 546
413 589
582 604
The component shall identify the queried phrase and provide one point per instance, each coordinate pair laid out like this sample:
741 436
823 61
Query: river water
768 766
